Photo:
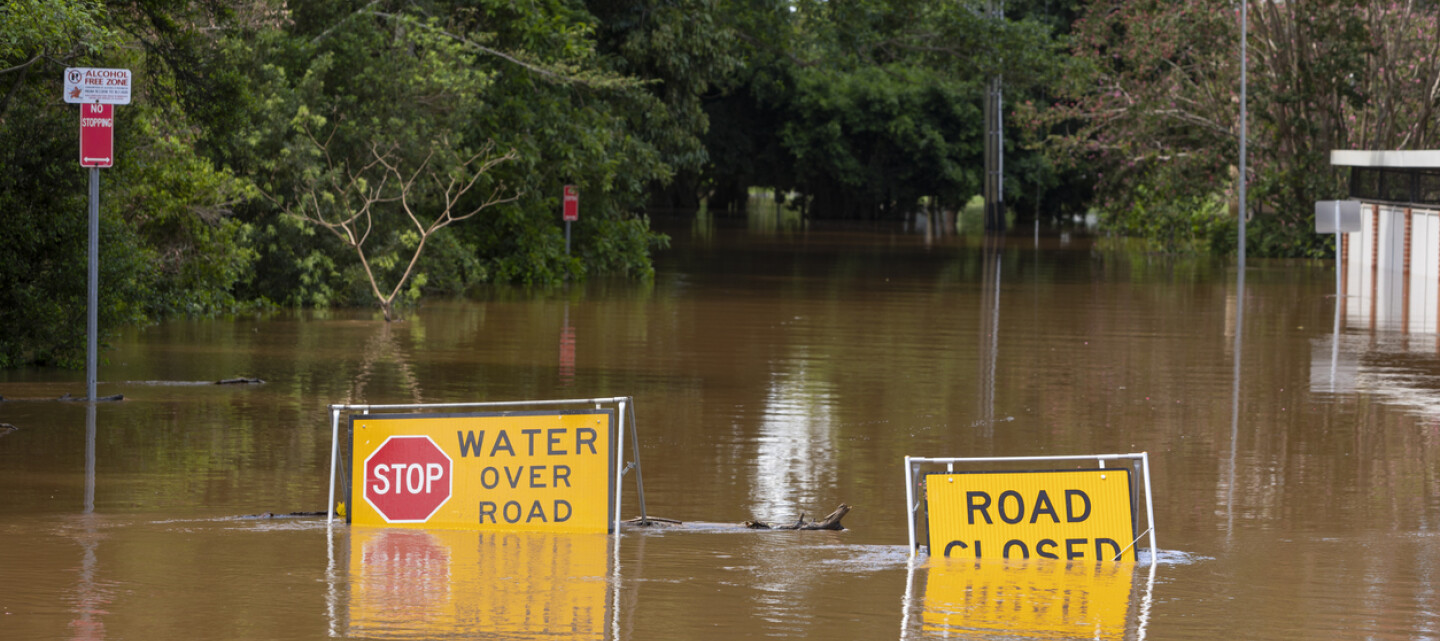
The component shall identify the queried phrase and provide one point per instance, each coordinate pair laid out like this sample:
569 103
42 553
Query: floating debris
643 521
830 522
68 398
272 515
242 380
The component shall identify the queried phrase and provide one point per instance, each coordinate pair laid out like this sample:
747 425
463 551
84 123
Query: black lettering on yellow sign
1011 508
1074 549
511 512
1063 515
553 442
529 442
534 478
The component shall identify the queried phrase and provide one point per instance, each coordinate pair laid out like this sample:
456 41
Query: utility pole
994 187
1244 110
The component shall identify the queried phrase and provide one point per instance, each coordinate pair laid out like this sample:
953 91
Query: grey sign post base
1337 217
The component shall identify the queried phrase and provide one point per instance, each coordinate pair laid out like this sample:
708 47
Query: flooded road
774 372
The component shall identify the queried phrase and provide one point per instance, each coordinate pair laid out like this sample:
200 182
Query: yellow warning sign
542 472
427 584
1032 599
1066 515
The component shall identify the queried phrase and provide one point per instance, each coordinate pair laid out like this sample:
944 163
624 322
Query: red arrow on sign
407 479
97 135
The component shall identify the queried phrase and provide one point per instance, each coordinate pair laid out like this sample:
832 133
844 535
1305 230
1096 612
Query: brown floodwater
775 370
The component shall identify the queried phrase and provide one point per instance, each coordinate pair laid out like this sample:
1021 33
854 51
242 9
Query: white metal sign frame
625 405
913 462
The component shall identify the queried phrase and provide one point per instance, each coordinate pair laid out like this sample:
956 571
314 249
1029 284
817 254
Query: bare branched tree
344 201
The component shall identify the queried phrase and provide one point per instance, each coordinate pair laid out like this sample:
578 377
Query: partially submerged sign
1075 514
513 471
1066 515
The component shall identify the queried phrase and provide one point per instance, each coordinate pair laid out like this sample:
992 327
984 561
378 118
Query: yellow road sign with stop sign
513 471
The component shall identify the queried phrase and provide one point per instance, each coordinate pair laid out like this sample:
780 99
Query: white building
1390 269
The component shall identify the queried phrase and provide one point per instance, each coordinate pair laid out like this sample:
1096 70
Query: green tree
873 105
37 31
682 49
43 194
239 101
341 79
1157 119
43 250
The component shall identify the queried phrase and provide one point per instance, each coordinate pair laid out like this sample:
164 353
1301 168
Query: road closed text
513 471
1066 515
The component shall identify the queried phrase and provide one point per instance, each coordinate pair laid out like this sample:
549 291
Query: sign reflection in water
91 597
463 584
567 351
1033 598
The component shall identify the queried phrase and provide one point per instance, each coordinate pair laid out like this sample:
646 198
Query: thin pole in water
1239 298
1337 255
1339 302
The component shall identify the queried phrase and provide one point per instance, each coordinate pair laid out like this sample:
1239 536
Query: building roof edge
1408 159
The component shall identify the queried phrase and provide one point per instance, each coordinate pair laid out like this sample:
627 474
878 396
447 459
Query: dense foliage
253 124
370 152
872 109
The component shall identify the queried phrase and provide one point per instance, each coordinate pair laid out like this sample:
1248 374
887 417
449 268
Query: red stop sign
407 479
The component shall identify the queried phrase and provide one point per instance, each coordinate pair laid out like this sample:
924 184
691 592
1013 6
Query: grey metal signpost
1337 217
92 320
96 91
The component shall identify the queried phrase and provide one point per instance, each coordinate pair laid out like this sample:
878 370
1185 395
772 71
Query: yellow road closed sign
515 471
1067 515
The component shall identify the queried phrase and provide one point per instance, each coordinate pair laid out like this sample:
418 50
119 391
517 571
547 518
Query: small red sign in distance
572 203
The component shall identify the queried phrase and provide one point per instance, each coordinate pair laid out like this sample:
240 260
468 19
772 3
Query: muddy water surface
774 373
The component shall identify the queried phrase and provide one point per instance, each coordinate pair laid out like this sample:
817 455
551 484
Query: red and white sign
407 479
86 85
97 135
572 203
